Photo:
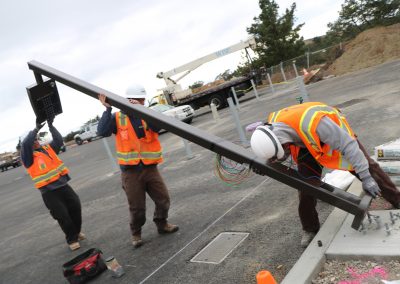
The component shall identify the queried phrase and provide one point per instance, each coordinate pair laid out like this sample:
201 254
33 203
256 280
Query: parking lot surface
33 248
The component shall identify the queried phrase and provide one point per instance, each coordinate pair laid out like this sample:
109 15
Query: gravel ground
358 272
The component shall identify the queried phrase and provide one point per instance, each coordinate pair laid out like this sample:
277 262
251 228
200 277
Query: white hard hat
135 92
265 144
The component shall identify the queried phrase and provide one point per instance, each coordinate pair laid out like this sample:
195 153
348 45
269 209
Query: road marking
205 230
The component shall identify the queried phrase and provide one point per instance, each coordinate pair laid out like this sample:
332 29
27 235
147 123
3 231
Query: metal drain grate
219 248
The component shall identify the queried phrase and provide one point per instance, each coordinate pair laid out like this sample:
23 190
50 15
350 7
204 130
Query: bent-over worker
316 136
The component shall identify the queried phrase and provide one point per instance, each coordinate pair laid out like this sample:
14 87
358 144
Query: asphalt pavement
33 248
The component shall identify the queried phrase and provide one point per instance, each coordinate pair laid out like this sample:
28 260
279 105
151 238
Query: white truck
216 93
87 133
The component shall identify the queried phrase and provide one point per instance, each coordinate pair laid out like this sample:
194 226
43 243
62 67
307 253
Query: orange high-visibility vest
304 119
46 168
130 149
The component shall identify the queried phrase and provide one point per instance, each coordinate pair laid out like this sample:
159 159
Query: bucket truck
217 92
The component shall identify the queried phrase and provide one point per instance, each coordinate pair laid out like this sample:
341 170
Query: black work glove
370 186
39 125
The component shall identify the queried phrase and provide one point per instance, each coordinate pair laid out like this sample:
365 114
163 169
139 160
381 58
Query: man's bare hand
103 99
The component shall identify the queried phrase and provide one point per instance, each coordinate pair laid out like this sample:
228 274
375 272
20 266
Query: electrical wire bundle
231 172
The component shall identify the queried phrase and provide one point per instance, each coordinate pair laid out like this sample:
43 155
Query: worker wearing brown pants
138 152
136 183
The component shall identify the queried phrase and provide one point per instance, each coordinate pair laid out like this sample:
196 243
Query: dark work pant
309 168
135 184
65 207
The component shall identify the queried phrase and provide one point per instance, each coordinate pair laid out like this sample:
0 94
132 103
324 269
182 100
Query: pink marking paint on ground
358 278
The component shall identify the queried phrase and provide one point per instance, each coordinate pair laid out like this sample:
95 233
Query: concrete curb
313 258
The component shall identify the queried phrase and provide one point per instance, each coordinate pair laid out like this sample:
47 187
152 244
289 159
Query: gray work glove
370 186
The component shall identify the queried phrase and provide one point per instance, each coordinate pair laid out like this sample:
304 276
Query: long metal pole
295 68
282 71
270 83
332 195
235 97
110 155
236 120
254 89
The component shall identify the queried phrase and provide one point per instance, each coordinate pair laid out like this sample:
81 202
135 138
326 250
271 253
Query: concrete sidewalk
336 240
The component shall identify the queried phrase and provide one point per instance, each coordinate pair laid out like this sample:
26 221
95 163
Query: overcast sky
114 44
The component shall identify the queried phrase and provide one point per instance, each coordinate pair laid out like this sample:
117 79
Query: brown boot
167 228
137 240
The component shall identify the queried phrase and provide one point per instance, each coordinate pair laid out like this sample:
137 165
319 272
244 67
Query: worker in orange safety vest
50 177
138 153
316 135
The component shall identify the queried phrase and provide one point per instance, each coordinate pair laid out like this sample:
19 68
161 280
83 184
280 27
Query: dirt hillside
369 48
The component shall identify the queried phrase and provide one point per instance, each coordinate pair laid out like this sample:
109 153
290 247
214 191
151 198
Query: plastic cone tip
265 277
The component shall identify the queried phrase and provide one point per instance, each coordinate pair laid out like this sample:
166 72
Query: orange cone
305 72
265 277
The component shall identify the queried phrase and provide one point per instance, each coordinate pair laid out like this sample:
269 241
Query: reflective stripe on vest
123 119
308 117
51 174
147 149
46 167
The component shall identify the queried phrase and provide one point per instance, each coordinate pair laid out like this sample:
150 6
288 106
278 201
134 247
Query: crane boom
188 67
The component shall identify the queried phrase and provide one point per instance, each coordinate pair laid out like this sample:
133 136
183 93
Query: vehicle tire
217 100
78 141
189 121
89 140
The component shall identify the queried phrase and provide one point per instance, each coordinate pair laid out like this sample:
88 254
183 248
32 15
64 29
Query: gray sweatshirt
329 133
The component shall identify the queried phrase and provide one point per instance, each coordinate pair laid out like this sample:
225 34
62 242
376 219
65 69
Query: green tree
359 15
90 121
244 69
226 75
196 84
70 136
277 37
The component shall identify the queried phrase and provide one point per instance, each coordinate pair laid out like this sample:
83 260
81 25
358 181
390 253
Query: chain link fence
290 69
